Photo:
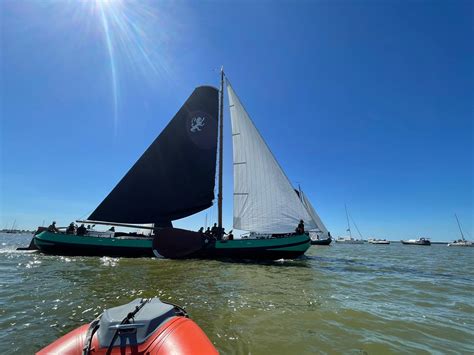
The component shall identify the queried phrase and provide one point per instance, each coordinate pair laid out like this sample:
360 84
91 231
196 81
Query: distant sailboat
349 239
319 235
12 230
460 242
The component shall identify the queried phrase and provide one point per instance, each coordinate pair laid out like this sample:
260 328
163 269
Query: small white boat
378 241
349 240
461 242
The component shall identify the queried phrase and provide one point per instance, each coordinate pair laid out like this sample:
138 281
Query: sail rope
358 231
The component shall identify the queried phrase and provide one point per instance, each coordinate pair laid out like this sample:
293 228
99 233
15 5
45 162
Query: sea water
369 299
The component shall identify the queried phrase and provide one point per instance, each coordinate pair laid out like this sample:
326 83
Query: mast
348 225
221 148
459 225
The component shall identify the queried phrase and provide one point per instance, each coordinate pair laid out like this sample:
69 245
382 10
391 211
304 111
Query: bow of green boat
274 248
302 241
88 245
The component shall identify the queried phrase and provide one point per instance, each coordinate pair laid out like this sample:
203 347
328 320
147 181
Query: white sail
320 227
264 200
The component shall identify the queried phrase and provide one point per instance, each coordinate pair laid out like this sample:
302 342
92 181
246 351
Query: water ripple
340 299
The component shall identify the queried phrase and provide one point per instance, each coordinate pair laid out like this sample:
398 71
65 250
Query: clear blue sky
368 103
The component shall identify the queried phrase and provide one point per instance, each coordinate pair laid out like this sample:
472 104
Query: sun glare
134 34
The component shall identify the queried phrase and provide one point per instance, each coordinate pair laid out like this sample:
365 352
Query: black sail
175 176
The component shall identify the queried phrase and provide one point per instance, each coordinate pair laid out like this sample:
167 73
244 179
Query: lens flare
135 36
113 71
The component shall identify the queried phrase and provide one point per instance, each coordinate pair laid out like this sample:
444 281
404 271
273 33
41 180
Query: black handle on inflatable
175 243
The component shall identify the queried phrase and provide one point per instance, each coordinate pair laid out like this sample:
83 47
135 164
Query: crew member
52 228
215 231
300 228
81 230
71 229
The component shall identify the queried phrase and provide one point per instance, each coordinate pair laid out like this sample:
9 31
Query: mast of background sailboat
459 225
357 228
221 148
348 225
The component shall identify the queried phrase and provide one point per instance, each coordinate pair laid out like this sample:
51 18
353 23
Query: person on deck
208 232
201 230
215 231
112 229
52 228
300 228
230 236
71 229
81 230
220 233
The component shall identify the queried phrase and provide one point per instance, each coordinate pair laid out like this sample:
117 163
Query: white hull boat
378 241
349 240
461 242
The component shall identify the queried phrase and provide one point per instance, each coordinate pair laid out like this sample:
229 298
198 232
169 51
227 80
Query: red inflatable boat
143 326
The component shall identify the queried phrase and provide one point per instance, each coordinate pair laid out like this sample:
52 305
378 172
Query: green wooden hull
68 244
258 249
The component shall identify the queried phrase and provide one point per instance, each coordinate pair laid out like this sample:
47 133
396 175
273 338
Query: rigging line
459 225
358 231
348 223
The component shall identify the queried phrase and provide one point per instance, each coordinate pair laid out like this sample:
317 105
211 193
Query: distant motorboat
460 242
349 240
419 241
325 241
378 241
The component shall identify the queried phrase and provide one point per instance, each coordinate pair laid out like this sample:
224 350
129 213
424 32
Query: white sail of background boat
460 242
264 199
320 229
349 239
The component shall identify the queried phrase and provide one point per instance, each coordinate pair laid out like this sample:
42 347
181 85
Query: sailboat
348 239
171 180
319 235
175 178
264 202
463 242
